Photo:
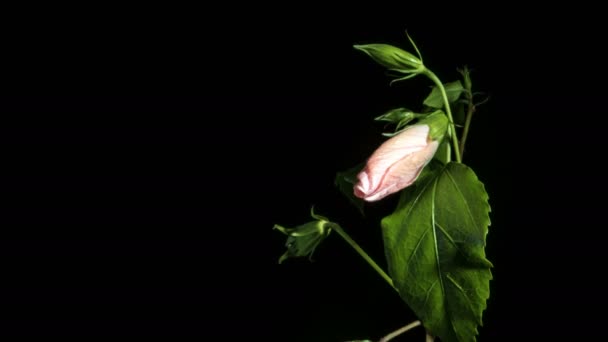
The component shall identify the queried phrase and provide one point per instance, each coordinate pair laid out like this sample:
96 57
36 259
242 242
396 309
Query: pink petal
409 141
395 164
405 172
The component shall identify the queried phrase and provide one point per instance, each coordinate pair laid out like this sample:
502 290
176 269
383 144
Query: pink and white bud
396 164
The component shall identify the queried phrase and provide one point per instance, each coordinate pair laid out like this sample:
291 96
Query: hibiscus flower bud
397 163
304 239
392 58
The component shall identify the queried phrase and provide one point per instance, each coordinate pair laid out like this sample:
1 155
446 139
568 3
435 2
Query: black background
147 153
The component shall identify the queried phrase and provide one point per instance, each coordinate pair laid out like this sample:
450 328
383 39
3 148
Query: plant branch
448 111
467 123
400 331
364 255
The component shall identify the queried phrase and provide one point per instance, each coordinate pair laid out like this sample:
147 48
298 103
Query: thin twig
463 140
400 331
364 255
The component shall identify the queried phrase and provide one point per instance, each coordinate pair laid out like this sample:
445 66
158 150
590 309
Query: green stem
364 255
467 123
400 331
448 111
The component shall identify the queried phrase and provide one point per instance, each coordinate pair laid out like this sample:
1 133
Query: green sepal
438 124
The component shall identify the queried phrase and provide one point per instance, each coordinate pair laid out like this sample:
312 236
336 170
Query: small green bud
397 115
395 59
466 77
304 239
391 57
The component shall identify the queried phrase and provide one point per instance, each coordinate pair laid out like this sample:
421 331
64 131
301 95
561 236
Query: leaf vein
463 199
439 274
455 283
416 248
447 235
428 292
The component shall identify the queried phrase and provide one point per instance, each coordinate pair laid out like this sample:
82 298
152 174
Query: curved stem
429 337
364 255
448 111
400 331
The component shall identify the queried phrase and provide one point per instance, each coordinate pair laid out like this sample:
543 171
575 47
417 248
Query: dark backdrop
148 153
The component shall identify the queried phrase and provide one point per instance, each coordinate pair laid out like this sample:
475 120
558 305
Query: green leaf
452 90
434 244
346 180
